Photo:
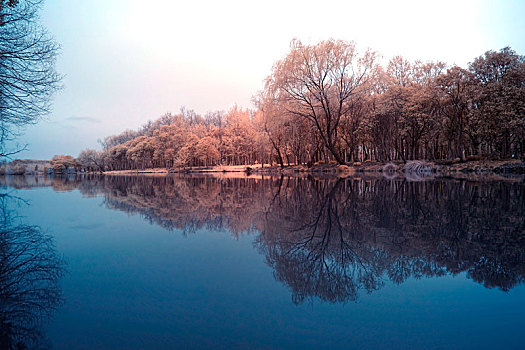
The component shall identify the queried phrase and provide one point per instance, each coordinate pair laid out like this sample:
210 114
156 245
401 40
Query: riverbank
480 167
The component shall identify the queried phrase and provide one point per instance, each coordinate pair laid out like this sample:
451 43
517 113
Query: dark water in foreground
201 262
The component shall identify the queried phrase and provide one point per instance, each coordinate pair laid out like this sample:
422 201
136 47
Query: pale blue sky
128 61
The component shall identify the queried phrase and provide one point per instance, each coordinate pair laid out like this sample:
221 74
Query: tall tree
499 99
27 68
317 82
456 88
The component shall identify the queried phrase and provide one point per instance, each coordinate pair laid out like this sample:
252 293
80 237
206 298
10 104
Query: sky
129 61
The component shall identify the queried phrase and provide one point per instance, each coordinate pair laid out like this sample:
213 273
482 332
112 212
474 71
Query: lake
154 262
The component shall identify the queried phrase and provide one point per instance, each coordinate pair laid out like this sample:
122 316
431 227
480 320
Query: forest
331 103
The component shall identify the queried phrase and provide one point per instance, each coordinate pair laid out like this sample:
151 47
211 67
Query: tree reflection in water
334 238
312 241
30 270
330 240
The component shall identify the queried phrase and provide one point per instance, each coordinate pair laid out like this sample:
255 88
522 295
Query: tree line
330 103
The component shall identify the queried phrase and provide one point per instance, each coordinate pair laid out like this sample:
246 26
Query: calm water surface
204 262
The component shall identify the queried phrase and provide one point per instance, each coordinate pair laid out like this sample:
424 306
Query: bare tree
27 68
318 82
91 160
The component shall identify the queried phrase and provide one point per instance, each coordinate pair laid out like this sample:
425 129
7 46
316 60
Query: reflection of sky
135 285
127 62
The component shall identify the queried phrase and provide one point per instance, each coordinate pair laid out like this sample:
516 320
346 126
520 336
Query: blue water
130 283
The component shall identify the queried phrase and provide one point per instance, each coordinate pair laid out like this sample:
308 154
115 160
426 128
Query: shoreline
475 167
415 169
